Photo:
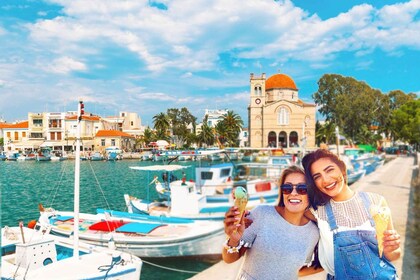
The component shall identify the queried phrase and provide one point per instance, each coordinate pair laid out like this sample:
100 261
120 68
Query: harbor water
102 185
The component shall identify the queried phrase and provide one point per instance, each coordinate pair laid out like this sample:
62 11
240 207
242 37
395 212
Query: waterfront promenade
393 181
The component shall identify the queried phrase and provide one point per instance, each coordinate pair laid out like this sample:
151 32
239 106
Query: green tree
149 136
179 120
406 122
355 107
229 128
325 133
206 135
161 124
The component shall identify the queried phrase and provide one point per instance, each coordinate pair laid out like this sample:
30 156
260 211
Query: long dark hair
316 197
286 172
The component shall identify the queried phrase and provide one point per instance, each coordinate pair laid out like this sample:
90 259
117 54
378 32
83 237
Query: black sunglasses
288 188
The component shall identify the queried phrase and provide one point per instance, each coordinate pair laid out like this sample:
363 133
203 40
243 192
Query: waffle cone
241 204
381 216
241 199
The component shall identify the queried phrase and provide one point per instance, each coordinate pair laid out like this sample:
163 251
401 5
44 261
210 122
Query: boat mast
80 112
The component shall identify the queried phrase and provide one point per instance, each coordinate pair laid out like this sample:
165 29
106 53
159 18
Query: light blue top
278 248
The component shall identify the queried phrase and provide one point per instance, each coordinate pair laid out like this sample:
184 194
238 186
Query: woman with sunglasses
348 248
280 240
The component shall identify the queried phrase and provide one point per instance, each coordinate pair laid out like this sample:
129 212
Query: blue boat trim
142 228
143 217
111 274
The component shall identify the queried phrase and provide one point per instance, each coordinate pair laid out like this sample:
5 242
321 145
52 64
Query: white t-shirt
349 215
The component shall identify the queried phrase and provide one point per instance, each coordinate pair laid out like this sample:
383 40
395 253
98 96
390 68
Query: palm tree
230 127
161 123
325 133
206 135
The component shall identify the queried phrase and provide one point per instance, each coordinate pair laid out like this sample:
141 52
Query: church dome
280 81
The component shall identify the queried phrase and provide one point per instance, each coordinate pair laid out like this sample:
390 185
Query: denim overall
356 254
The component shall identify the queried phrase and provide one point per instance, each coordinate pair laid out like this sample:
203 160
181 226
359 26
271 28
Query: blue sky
147 56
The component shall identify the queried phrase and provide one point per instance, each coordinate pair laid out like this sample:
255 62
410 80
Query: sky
148 56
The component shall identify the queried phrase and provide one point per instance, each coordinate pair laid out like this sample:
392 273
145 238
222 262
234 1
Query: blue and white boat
206 198
43 154
113 153
96 156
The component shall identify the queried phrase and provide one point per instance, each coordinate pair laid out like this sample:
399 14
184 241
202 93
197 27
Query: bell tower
256 109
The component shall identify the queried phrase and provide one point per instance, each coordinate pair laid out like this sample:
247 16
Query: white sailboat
36 254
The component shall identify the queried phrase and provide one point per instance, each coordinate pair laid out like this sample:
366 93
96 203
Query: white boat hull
199 239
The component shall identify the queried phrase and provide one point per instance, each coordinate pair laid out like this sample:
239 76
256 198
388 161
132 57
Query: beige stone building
276 115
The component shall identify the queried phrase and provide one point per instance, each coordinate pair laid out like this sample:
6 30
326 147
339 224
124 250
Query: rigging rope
57 185
98 185
170 268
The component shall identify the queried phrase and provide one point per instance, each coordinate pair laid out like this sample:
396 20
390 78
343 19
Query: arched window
257 90
293 139
283 139
283 116
272 143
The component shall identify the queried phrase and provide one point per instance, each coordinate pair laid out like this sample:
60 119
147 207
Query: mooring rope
170 268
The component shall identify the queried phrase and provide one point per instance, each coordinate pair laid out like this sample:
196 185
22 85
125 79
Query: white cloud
188 37
64 65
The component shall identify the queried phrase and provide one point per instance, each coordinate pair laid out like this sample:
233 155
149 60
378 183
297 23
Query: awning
27 144
53 143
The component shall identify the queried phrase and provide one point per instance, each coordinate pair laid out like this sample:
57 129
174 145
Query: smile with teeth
330 186
295 200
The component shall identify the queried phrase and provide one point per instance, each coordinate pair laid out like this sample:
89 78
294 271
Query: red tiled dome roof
280 81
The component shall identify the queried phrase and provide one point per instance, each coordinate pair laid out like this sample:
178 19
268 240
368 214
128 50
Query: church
276 116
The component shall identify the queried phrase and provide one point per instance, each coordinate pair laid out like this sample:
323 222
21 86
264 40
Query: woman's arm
304 271
234 234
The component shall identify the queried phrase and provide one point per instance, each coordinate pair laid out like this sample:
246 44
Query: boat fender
32 224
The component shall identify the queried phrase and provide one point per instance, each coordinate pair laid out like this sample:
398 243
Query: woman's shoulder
375 198
261 209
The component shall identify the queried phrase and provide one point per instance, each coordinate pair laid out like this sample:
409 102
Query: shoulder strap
330 216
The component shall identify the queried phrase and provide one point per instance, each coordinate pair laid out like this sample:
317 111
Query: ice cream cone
381 215
241 199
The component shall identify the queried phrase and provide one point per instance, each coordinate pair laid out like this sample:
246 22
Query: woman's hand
392 240
234 228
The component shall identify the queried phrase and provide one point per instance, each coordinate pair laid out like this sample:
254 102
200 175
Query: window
24 134
16 135
112 142
257 90
283 116
8 134
37 122
205 175
132 123
102 142
224 172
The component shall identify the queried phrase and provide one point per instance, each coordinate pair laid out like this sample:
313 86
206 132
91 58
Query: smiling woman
280 236
351 231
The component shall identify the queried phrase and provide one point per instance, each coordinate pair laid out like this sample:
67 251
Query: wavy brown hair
316 197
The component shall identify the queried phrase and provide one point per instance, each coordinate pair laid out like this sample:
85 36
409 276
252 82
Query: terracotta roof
112 133
24 124
84 117
280 81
